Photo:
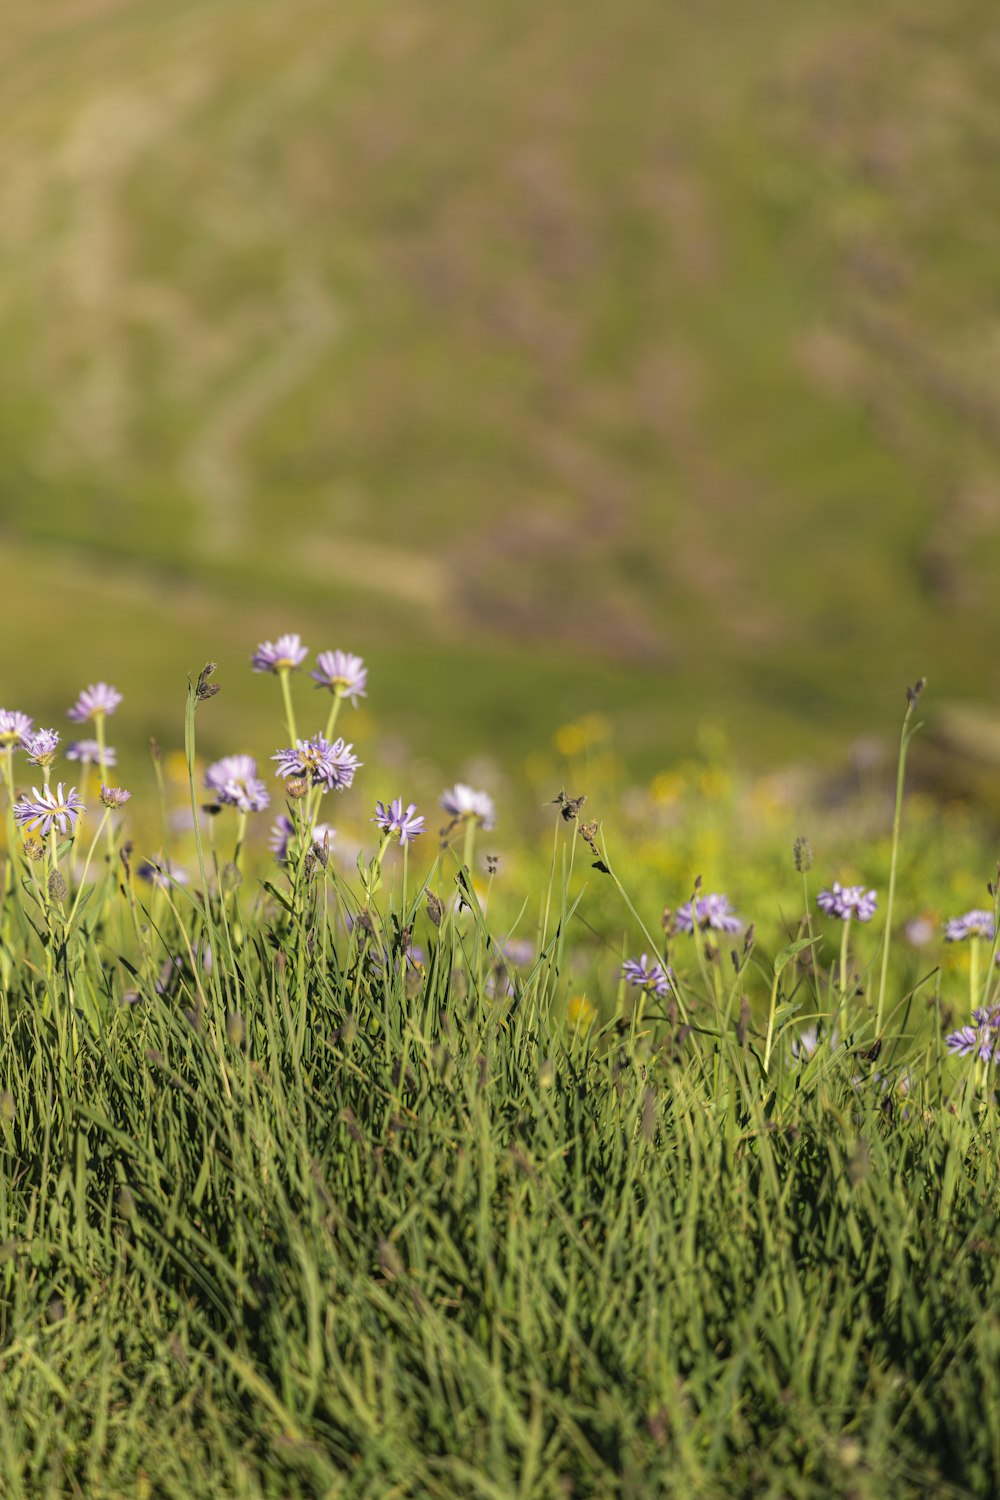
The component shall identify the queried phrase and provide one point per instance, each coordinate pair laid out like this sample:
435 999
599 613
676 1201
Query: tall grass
289 1210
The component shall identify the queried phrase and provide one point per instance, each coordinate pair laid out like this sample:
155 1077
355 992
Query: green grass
310 1221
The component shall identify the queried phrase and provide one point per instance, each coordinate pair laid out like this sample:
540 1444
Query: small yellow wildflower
580 1013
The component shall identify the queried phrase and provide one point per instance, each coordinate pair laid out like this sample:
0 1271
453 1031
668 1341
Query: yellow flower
580 1013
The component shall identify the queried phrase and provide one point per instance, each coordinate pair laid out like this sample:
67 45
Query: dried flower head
397 823
344 674
285 654
802 854
94 702
48 809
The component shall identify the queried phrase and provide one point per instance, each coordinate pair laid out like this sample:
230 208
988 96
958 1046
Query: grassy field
376 1173
638 357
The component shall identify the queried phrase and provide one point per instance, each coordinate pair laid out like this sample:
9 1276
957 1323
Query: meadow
663 1161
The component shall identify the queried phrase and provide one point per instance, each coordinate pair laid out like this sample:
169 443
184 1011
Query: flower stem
906 734
286 693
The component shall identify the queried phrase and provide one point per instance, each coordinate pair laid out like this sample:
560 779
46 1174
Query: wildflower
806 1044
972 924
280 836
41 746
644 975
162 874
283 831
88 753
48 809
94 701
982 1037
15 728
462 802
344 674
283 655
393 821
580 1013
235 782
920 930
713 911
330 766
847 902
114 796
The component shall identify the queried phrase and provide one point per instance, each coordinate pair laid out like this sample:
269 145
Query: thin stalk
286 693
906 734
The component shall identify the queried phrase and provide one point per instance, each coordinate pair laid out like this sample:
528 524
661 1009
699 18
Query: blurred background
620 364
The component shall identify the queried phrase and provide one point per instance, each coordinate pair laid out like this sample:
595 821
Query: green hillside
625 355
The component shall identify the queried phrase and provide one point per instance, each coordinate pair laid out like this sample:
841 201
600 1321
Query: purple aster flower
283 831
160 873
405 826
99 698
462 801
712 910
88 753
48 809
847 902
114 796
972 924
280 836
235 783
646 976
982 1037
283 655
329 766
344 674
15 728
41 746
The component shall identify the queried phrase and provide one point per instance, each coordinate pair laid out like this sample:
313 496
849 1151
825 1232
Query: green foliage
289 1209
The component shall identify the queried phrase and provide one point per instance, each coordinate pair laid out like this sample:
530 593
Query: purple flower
983 1037
41 746
88 753
344 674
973 924
329 766
712 910
399 824
283 831
48 809
462 801
283 655
646 976
97 699
235 783
162 874
847 902
15 728
114 796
